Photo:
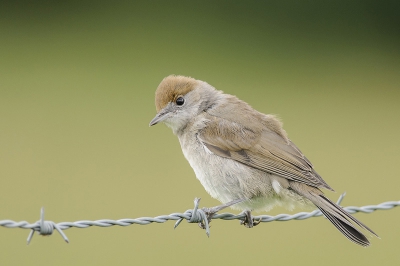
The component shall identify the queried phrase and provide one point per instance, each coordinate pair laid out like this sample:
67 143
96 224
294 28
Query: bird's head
179 99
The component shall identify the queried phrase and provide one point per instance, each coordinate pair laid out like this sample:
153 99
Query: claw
248 220
209 214
256 222
211 211
203 226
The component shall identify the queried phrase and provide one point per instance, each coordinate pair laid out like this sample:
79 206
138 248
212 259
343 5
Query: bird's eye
180 101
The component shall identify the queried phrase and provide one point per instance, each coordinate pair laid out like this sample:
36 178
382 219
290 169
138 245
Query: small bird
242 157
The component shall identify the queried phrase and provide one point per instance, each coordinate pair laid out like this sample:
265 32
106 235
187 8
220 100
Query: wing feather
261 147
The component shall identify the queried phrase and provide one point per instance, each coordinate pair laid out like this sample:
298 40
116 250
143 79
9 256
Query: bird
242 157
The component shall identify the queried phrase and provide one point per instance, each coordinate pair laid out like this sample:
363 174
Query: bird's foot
209 212
249 221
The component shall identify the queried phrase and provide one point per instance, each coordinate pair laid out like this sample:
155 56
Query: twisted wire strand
195 215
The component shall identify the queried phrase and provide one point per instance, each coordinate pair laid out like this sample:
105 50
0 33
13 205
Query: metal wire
194 215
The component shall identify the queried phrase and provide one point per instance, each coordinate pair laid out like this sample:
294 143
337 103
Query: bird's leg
249 221
213 210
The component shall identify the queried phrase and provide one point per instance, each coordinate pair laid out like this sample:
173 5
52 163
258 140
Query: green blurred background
77 82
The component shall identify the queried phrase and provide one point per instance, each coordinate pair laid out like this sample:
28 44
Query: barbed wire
194 215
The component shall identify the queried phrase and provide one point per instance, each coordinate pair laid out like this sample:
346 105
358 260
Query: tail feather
345 215
347 230
341 219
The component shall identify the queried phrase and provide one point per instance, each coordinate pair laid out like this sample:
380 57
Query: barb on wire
45 228
195 215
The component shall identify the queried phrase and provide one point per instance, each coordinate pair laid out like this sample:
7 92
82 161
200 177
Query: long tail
341 219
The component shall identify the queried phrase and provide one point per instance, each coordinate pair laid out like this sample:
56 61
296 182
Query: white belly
228 180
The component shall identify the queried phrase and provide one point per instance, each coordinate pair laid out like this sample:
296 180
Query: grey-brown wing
263 149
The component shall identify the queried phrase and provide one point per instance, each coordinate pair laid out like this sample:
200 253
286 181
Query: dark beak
158 118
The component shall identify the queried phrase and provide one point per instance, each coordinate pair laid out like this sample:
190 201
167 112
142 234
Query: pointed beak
158 118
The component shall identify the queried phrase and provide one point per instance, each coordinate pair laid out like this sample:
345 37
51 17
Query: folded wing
260 147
